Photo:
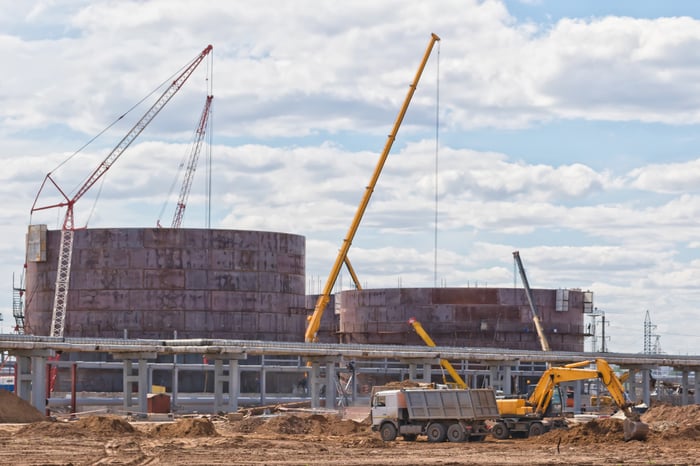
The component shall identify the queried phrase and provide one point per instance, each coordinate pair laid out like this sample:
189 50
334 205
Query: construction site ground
300 437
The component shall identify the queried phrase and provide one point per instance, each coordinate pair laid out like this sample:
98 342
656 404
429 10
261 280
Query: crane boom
535 313
314 323
192 165
67 231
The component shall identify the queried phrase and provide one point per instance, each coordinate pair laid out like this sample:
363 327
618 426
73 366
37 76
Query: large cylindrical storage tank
463 317
161 282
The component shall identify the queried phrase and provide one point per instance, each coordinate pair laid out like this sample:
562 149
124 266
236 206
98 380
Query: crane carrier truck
440 414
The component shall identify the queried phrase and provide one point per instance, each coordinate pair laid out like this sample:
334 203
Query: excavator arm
458 381
541 397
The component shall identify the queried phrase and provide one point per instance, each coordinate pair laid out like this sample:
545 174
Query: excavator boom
541 397
458 381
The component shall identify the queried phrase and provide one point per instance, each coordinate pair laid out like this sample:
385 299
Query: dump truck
456 415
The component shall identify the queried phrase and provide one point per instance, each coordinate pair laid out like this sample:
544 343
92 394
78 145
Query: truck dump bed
473 404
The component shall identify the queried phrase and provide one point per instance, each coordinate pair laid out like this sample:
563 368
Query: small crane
192 164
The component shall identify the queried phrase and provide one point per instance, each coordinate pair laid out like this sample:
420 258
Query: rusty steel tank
162 282
471 317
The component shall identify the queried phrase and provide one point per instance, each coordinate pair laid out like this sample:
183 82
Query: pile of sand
189 427
299 424
15 409
104 425
99 425
665 423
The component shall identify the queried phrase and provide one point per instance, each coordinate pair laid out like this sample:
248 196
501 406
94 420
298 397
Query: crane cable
107 128
437 126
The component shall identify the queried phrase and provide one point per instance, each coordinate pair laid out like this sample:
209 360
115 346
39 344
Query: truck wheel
455 433
409 437
500 431
388 432
537 428
436 432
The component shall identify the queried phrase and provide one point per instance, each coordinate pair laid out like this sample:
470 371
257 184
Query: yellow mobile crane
314 320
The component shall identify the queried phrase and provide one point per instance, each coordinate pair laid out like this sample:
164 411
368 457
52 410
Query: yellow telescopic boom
314 323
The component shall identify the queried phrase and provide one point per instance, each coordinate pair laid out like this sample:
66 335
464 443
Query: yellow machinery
458 382
526 416
314 323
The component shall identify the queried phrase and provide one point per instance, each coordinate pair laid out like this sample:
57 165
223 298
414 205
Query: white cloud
305 95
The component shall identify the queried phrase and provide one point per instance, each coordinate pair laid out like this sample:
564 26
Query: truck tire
500 431
537 428
388 432
436 432
455 433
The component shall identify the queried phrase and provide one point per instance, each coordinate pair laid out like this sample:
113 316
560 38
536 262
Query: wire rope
437 133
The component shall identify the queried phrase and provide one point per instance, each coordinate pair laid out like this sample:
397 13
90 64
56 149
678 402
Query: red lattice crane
58 318
192 164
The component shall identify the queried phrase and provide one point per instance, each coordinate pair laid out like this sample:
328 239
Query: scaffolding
18 305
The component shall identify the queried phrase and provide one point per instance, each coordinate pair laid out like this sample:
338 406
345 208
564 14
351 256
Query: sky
568 131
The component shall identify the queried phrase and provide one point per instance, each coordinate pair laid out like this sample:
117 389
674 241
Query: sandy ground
301 438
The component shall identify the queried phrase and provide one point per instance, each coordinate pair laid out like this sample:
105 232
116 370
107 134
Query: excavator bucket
635 430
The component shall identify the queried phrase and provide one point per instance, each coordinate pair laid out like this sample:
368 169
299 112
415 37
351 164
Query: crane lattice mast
192 165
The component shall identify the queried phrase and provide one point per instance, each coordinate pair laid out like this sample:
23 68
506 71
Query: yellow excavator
524 417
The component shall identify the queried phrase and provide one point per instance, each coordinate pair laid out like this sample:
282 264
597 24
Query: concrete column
218 385
631 385
507 388
646 392
696 378
331 381
685 386
143 387
234 385
314 388
175 385
262 383
24 378
427 372
135 375
578 388
412 371
32 376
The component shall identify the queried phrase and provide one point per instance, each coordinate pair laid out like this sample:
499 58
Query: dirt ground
304 438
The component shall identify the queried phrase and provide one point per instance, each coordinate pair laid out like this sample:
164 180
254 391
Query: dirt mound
50 428
15 409
674 422
606 430
299 424
104 425
675 414
89 426
195 427
248 424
